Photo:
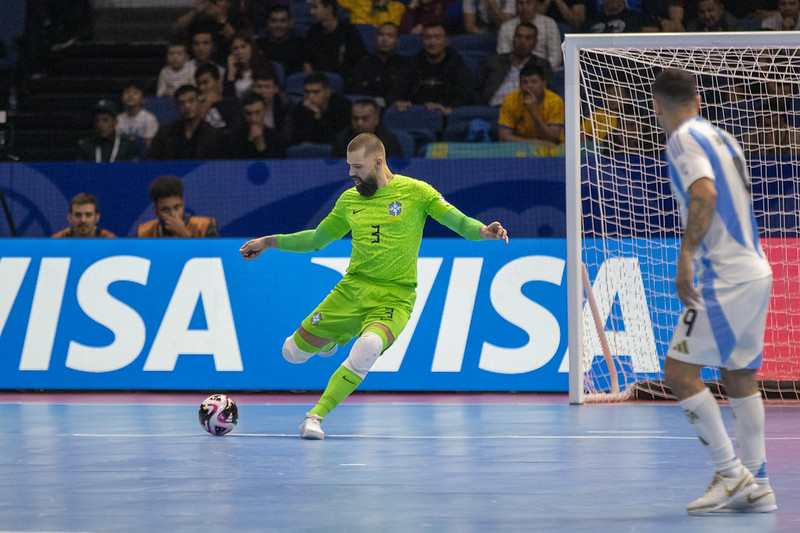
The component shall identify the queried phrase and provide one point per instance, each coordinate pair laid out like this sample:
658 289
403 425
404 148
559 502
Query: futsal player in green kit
386 213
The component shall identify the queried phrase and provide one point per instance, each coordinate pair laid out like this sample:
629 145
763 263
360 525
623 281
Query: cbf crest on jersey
395 208
316 317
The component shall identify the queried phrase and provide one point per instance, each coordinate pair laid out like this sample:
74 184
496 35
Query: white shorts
727 330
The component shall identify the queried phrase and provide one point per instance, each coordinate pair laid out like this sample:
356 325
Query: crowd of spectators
250 81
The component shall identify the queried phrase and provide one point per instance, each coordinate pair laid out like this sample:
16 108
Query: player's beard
367 186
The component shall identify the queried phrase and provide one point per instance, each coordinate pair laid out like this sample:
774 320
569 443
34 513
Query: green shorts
356 303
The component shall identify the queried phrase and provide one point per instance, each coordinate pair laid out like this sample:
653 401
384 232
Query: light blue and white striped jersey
730 252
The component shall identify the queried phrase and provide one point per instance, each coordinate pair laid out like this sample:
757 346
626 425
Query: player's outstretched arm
253 248
494 231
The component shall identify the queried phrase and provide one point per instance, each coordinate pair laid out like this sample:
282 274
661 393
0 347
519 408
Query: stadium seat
407 142
459 120
470 42
12 26
309 151
474 60
300 16
280 72
557 82
163 108
356 97
369 34
416 117
409 45
294 83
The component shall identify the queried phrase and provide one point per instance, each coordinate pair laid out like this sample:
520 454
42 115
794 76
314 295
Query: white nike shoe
311 428
724 490
328 353
761 500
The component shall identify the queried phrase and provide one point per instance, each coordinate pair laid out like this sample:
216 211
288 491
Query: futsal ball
218 414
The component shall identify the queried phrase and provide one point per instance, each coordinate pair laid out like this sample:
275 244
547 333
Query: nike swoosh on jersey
358 210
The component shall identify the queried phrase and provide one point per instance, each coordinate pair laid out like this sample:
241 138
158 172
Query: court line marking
392 437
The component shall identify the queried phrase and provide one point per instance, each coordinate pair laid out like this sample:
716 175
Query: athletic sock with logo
748 424
342 383
703 413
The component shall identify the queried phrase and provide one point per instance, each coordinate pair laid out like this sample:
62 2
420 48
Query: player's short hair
370 142
531 69
366 102
529 25
178 42
280 8
317 77
82 199
164 187
675 88
390 23
435 24
183 89
251 98
333 4
265 73
207 68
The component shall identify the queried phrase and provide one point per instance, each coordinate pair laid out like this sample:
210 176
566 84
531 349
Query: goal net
624 227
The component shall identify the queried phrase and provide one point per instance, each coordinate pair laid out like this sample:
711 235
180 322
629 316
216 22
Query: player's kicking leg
748 422
366 350
732 481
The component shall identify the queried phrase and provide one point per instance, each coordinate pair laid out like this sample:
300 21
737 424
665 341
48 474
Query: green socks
342 383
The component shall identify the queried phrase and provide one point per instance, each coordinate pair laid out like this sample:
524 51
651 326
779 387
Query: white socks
748 422
703 413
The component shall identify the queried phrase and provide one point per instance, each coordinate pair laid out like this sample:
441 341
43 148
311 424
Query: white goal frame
573 43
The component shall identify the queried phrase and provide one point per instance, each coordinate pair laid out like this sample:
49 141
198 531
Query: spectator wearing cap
190 137
83 217
136 121
106 145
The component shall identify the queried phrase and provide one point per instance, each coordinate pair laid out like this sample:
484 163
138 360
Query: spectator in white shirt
548 44
484 16
786 19
136 120
177 72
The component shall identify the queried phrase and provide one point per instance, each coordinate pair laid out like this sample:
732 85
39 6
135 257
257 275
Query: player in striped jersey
723 324
386 214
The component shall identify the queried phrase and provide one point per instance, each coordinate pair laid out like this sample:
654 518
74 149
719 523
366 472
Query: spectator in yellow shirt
532 112
374 12
604 120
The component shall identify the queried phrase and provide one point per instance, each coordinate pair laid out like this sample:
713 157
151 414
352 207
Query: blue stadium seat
407 142
301 17
294 83
459 121
469 42
409 45
356 97
12 26
416 117
369 34
280 72
309 151
163 108
557 82
474 60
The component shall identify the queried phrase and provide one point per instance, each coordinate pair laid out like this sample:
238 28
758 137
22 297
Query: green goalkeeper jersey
386 229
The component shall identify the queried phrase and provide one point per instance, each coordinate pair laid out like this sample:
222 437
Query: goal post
623 226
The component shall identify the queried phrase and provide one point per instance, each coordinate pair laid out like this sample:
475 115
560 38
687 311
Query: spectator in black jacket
331 45
278 106
191 137
253 140
280 45
376 74
436 76
366 118
500 74
322 114
222 113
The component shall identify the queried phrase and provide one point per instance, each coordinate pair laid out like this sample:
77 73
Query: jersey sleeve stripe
725 205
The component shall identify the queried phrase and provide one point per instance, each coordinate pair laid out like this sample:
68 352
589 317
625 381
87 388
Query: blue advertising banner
192 314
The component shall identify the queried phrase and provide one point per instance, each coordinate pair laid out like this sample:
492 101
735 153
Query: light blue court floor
400 463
